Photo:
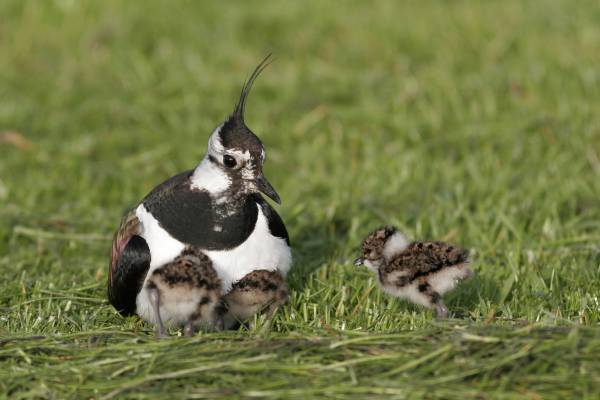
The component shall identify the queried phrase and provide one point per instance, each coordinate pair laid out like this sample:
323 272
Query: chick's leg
441 309
219 315
154 295
220 324
434 299
188 329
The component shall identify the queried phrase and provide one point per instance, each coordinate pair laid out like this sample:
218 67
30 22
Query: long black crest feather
239 108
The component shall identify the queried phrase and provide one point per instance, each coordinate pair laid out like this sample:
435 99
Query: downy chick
188 290
260 290
419 271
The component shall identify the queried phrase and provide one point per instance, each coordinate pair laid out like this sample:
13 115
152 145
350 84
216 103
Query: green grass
471 122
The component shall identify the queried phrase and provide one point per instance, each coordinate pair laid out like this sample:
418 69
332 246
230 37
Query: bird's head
381 245
235 155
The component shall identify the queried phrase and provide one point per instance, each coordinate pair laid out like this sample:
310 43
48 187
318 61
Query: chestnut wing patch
129 264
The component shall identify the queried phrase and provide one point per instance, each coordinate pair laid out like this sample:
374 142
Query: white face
373 265
219 153
381 246
220 166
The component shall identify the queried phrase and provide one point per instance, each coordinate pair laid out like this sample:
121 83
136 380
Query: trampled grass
475 123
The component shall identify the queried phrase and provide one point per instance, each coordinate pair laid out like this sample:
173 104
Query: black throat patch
194 218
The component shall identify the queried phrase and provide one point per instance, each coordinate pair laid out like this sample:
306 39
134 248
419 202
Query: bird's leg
220 323
219 313
154 296
434 299
188 329
442 310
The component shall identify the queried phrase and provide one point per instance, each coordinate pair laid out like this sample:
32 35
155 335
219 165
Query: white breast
163 247
260 251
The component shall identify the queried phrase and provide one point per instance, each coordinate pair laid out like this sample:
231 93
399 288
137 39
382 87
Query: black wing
129 264
168 186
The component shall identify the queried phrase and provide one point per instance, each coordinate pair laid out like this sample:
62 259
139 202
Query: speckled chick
258 291
188 290
419 271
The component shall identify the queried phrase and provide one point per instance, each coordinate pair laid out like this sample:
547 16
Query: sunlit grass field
476 123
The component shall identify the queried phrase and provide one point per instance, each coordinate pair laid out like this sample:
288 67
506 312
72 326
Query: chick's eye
229 161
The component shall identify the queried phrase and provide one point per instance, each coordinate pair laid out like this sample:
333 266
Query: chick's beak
359 261
264 186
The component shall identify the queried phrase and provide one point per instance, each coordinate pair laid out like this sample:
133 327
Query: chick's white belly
177 307
260 251
409 292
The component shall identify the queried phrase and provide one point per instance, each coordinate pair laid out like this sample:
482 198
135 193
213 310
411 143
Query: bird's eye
229 161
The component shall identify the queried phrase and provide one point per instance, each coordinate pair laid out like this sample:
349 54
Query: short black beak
359 261
264 186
